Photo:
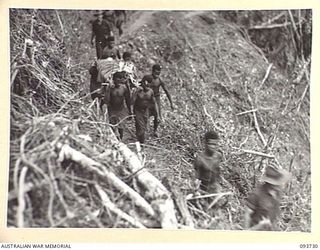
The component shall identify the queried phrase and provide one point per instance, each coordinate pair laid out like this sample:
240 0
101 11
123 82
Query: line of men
125 97
144 97
143 101
263 203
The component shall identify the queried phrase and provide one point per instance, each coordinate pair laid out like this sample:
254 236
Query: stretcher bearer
155 85
116 95
110 51
143 102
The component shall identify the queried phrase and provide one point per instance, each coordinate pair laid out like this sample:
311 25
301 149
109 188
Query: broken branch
303 96
209 195
258 129
21 201
183 208
265 76
113 208
248 111
255 152
303 71
271 26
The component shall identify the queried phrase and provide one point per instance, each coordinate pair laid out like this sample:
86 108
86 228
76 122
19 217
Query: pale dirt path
136 21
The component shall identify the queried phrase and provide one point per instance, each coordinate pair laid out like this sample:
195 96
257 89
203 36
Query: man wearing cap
101 30
207 163
263 205
155 86
143 100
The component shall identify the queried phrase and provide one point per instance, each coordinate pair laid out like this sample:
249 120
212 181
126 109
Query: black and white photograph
160 119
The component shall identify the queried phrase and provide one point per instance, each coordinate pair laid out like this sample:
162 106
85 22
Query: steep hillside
215 73
218 80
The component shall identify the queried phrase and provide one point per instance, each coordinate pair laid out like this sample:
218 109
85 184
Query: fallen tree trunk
160 196
68 153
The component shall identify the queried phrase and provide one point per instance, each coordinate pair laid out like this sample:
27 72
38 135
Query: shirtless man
143 100
207 163
155 86
110 50
115 97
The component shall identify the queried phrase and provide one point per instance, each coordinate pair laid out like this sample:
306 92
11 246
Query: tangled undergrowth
218 79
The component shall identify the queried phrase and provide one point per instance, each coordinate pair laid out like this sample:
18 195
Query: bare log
66 152
162 202
82 201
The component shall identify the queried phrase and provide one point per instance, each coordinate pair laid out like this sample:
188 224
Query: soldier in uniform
101 30
263 204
